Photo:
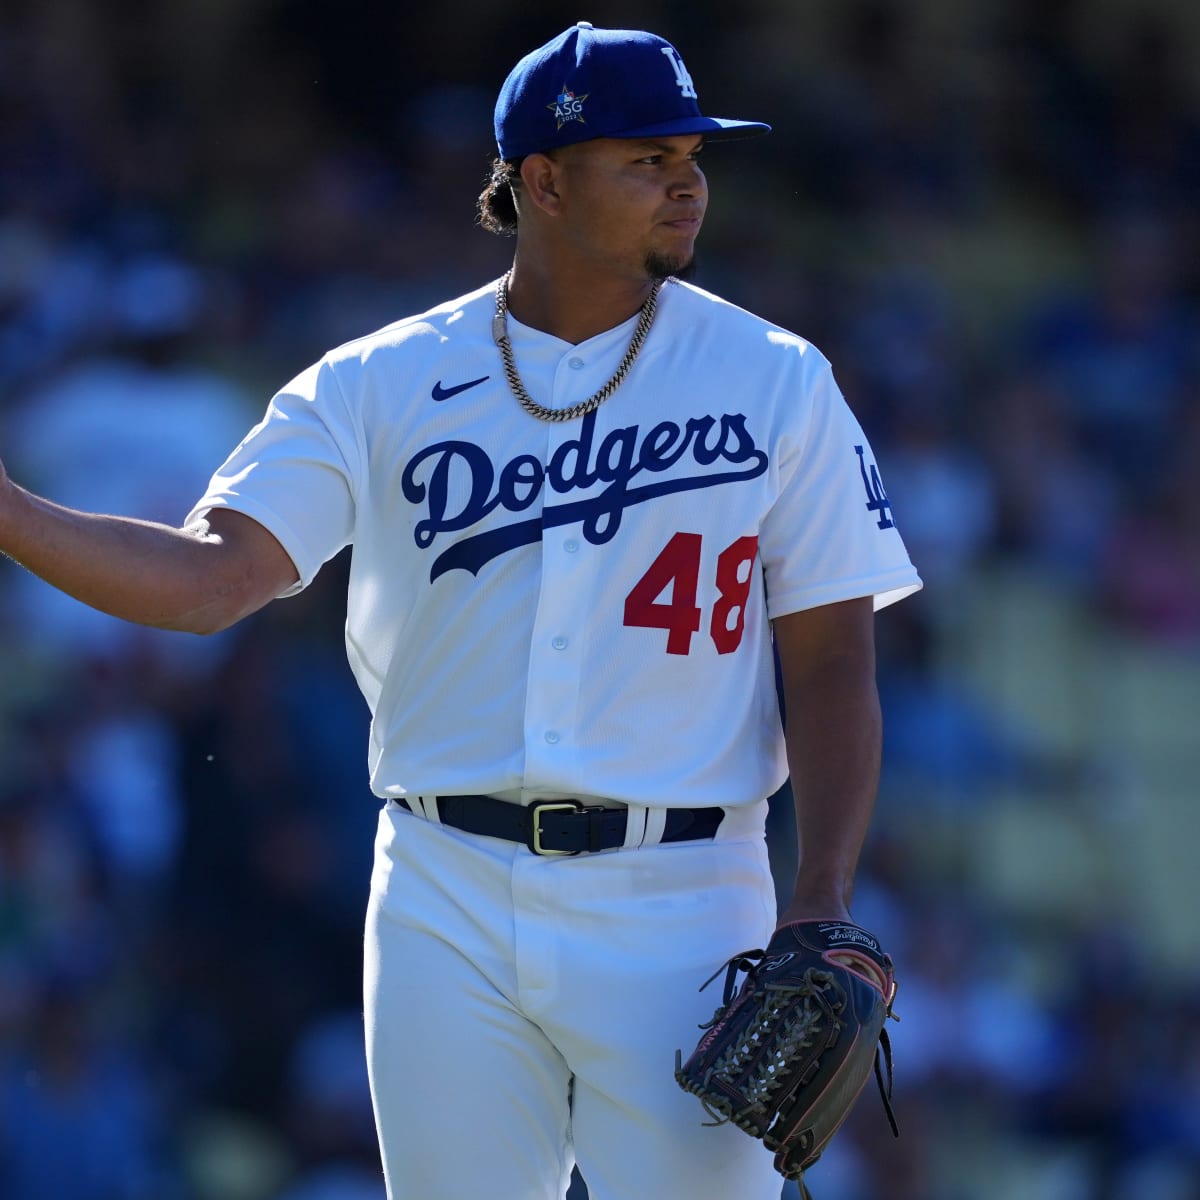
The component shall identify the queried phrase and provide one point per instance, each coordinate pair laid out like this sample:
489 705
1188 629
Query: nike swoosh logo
444 393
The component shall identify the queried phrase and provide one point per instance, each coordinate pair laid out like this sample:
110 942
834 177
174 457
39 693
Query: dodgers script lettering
577 465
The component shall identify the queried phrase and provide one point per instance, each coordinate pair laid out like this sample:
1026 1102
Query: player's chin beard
663 266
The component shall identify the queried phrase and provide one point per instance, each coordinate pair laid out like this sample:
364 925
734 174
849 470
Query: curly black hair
497 205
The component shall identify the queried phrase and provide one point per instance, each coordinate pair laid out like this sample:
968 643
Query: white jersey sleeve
830 534
305 459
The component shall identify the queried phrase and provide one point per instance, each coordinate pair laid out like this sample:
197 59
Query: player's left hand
786 1059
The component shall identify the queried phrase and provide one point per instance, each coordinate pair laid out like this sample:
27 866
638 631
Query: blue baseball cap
602 83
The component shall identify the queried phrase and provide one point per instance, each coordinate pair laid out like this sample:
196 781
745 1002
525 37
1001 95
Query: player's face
636 206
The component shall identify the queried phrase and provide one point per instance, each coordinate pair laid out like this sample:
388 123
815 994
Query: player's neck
573 303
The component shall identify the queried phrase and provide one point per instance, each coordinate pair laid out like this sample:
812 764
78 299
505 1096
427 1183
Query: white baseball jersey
580 608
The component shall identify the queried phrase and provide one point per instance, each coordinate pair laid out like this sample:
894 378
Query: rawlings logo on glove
787 1057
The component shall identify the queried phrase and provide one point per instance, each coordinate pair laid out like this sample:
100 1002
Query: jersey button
559 643
576 364
570 545
551 736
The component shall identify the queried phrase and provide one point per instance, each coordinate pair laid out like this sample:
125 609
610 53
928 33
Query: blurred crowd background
983 211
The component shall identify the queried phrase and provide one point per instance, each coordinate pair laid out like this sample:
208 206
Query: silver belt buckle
535 816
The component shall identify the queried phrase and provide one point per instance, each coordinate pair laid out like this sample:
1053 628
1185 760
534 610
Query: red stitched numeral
733 593
678 566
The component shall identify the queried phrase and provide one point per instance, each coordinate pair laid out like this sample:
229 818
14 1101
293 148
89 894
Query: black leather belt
564 826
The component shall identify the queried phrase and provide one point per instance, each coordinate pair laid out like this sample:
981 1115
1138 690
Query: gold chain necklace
527 402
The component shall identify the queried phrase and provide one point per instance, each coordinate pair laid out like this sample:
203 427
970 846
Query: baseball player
587 503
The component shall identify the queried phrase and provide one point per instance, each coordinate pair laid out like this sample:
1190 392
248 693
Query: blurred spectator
123 768
1056 503
1123 354
1152 568
329 1113
77 1112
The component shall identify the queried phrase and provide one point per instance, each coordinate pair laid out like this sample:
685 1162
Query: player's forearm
834 734
140 571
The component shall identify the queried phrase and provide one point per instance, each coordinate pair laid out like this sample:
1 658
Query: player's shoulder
733 327
464 317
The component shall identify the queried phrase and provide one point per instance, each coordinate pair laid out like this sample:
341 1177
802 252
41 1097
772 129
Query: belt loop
427 807
635 826
656 825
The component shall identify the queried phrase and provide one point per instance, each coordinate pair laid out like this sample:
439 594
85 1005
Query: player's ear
540 176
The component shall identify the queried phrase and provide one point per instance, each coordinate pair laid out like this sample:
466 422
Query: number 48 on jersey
676 572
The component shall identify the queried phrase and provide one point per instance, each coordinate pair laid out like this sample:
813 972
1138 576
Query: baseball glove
787 1058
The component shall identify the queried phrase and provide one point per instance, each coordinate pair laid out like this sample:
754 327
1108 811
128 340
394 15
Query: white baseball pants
523 1013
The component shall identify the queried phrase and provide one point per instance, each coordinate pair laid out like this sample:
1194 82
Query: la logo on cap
684 81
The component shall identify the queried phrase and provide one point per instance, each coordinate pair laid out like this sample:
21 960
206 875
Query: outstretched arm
198 580
834 733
